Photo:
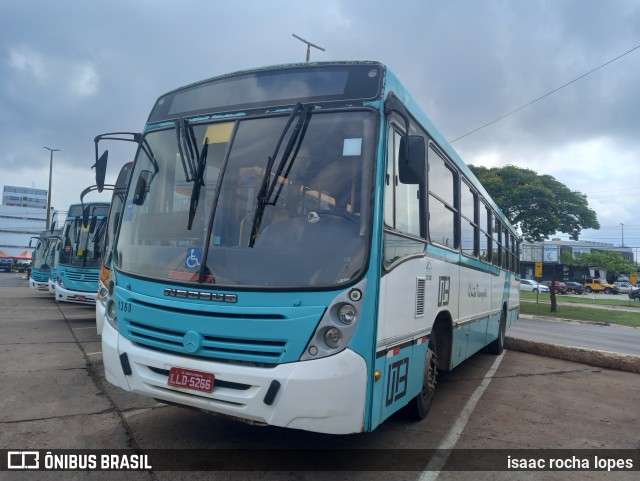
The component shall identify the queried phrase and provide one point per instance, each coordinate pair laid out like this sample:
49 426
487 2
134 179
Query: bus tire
419 406
497 346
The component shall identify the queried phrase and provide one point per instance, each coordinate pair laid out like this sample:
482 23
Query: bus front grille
83 276
233 349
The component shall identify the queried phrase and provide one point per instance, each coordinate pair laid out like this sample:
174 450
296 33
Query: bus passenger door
400 358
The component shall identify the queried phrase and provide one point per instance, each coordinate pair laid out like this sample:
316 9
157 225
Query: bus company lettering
201 295
474 291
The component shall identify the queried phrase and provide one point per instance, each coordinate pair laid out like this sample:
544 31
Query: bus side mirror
92 227
53 226
411 159
101 169
85 216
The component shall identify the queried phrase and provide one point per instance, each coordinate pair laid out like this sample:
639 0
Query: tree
538 205
611 261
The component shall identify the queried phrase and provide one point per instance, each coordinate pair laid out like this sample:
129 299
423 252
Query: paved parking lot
54 396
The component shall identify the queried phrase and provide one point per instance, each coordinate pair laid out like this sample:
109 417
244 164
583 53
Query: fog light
333 337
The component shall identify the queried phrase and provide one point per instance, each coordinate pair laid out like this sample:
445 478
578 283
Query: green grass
577 313
623 300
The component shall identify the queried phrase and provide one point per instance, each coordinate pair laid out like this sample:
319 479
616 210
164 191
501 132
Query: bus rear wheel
419 407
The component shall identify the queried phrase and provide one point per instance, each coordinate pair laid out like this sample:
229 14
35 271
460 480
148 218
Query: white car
625 287
527 285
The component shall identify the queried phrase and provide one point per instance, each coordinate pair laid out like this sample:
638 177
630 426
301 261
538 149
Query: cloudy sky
72 69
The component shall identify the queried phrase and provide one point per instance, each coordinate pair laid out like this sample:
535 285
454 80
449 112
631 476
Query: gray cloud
70 70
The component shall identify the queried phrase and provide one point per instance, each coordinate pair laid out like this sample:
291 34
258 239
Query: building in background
550 253
23 214
24 197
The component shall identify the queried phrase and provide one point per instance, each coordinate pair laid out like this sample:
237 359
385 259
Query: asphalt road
612 338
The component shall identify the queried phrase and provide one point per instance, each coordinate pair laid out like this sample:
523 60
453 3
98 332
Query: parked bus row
66 261
298 246
69 262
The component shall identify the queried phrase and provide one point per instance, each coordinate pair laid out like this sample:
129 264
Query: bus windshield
265 202
117 203
50 252
40 255
82 244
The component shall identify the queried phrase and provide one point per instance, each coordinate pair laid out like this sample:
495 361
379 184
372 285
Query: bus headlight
102 294
347 314
333 337
110 314
59 281
338 324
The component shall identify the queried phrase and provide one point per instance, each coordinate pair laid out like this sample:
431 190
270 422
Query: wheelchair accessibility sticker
193 258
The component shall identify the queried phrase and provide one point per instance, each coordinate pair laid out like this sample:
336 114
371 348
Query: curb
592 357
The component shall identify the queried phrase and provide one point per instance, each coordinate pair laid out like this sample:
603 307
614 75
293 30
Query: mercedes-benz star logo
192 341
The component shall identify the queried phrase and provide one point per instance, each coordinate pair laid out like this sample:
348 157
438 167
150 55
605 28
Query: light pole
622 225
51 151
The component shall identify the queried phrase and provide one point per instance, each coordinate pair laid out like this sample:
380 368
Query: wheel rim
430 375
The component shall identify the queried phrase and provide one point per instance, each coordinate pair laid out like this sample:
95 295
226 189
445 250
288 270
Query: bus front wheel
419 406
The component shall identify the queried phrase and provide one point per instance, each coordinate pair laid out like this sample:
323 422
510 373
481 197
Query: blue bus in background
6 264
80 252
43 258
300 247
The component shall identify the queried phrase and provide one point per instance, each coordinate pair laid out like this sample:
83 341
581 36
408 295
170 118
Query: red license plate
80 298
187 378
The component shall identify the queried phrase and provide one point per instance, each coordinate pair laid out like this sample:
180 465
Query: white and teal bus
80 252
300 247
43 258
113 220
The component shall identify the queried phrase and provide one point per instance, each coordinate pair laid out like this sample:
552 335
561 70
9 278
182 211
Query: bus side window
402 212
442 206
485 233
468 222
497 251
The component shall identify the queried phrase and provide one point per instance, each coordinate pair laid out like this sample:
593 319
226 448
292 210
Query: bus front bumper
325 395
65 295
43 286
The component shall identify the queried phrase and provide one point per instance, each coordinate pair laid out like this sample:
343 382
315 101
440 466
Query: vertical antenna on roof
309 45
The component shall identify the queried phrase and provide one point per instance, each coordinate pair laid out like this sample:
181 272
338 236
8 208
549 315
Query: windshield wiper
267 188
187 147
198 182
193 162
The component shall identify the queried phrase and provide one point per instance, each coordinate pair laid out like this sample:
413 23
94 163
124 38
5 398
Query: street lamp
51 151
